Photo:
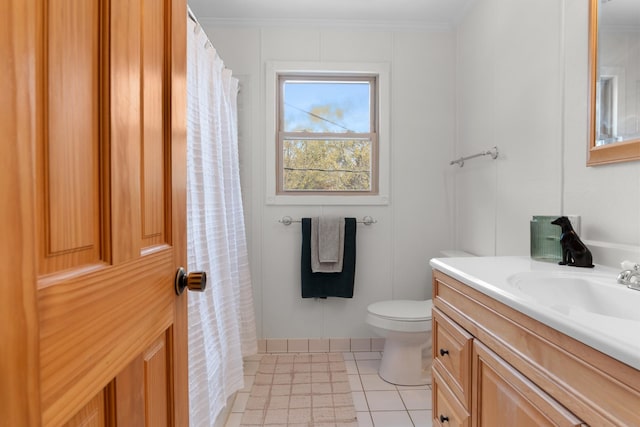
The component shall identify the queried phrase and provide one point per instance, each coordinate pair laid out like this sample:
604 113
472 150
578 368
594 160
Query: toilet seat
402 310
400 315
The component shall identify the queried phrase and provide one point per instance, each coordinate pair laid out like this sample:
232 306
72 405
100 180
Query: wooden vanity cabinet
494 366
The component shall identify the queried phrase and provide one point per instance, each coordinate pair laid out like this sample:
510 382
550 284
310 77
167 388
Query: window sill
329 200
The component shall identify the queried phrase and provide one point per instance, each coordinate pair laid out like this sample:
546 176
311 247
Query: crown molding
328 23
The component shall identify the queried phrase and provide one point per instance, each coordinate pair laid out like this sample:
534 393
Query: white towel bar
287 220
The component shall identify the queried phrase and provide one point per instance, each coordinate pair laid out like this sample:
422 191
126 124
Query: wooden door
93 211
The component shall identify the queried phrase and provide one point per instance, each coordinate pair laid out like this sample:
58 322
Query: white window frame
381 70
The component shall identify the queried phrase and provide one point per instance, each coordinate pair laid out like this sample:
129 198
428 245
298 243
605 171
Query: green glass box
545 239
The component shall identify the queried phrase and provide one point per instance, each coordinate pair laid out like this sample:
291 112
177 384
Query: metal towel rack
287 220
492 152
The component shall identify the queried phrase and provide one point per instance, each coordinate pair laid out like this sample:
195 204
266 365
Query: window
327 134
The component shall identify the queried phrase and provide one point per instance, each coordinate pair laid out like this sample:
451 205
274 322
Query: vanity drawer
452 348
447 409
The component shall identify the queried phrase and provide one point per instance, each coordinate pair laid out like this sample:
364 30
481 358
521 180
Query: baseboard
319 345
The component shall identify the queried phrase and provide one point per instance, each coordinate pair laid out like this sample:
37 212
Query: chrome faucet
630 276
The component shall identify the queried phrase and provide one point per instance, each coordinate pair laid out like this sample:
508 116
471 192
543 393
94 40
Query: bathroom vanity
528 343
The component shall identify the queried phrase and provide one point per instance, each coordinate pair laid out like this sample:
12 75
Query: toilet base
406 363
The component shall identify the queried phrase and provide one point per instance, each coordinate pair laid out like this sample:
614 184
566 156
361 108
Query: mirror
614 75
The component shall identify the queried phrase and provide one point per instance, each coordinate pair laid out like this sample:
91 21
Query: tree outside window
327 134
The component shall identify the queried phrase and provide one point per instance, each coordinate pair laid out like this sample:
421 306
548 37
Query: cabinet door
504 397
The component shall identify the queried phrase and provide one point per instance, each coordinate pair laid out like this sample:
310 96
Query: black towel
322 285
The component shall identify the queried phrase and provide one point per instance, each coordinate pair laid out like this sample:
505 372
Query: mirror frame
611 153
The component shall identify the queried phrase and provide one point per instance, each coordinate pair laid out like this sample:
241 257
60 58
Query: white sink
574 292
584 303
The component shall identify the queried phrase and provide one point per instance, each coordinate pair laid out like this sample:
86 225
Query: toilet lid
405 310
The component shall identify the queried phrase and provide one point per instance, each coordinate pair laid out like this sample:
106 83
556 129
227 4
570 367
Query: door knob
194 281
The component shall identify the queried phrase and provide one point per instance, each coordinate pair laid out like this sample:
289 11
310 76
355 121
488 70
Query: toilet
406 327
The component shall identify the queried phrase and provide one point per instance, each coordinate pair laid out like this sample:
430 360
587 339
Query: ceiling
393 12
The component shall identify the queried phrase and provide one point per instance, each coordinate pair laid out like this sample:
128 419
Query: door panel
68 174
92 415
141 391
110 184
153 132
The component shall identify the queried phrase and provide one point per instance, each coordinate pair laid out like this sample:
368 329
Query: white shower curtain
221 320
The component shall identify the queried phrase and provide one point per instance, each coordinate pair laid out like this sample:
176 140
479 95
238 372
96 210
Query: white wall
522 85
513 75
392 255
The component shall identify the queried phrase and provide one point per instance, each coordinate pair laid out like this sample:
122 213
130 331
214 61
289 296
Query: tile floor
377 403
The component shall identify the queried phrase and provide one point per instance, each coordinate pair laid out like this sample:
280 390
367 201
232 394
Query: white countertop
615 336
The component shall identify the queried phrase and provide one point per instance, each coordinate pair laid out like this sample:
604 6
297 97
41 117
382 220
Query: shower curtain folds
221 320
